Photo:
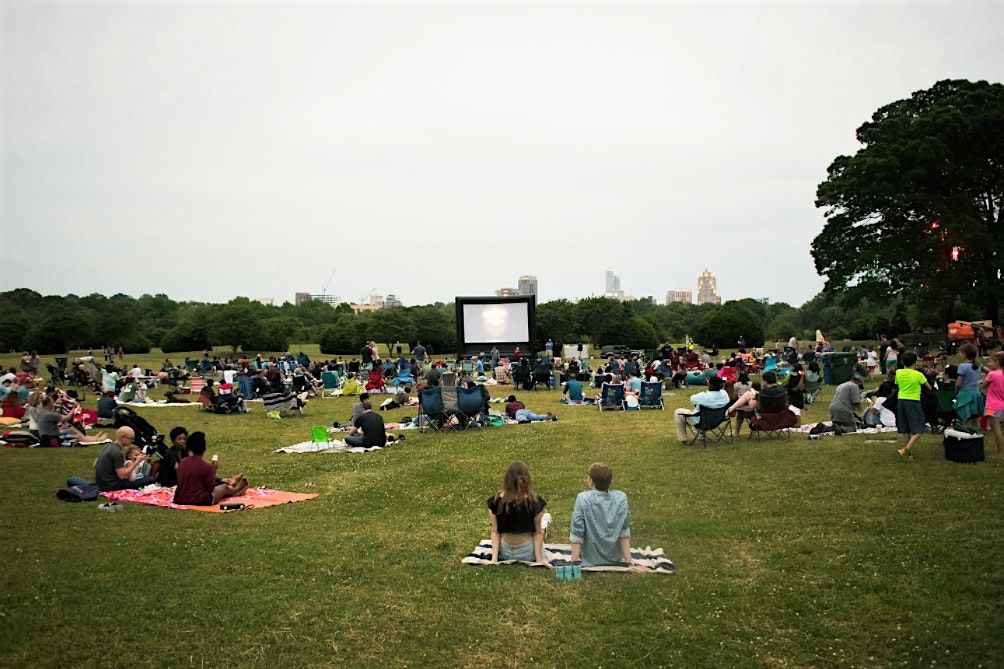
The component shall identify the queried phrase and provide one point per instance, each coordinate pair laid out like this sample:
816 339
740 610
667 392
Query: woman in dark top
795 385
515 514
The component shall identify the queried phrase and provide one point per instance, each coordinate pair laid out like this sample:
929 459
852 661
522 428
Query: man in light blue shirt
634 383
601 524
713 398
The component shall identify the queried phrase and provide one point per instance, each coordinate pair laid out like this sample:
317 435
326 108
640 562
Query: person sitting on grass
518 412
601 523
713 398
910 420
112 472
367 429
52 425
572 391
517 518
198 484
142 469
167 473
994 386
357 408
401 399
845 405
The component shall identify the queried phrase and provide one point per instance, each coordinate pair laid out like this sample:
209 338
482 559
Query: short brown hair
601 475
366 406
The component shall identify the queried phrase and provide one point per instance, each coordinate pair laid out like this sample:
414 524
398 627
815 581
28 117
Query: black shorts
910 417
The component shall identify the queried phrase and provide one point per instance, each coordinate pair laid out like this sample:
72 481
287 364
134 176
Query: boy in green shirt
910 421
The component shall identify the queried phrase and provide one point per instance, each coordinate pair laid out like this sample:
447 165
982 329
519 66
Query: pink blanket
254 498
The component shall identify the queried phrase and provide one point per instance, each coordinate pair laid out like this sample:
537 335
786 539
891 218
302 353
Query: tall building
333 300
391 301
527 285
613 283
684 295
376 300
707 287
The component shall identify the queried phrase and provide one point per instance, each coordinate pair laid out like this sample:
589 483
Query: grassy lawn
789 553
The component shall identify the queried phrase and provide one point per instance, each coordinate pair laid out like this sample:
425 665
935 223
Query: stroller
147 436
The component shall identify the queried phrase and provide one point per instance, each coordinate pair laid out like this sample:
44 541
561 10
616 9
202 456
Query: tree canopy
917 211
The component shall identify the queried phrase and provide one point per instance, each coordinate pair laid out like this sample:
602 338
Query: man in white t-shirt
136 372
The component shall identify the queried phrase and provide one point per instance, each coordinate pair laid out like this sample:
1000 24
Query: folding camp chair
403 378
330 381
773 418
467 367
711 422
813 387
351 386
375 380
611 397
470 405
448 379
431 411
651 395
319 435
946 409
196 384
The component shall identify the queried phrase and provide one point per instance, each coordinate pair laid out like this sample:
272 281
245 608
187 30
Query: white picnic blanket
334 446
652 560
164 403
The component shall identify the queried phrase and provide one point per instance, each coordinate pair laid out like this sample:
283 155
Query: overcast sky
213 149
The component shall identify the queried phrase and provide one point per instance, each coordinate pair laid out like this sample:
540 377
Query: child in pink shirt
994 387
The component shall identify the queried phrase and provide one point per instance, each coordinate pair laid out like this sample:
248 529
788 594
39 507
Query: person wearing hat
846 403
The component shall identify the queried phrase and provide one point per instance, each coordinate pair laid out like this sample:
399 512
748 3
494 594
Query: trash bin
838 367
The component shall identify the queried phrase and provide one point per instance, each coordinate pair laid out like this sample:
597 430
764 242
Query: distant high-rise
613 283
391 301
707 287
684 295
267 301
527 285
300 298
507 292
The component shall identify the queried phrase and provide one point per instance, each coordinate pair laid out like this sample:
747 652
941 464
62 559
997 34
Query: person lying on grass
401 399
198 484
601 523
517 411
516 514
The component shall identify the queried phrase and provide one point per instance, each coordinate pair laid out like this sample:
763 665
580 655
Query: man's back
599 520
372 426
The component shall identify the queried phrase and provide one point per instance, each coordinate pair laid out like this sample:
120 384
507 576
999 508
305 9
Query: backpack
86 492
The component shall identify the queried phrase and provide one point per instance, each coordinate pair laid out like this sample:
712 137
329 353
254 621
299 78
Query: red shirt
196 480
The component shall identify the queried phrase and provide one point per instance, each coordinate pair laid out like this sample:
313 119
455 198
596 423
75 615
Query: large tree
918 209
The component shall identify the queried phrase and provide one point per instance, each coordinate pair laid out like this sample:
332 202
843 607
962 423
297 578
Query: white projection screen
496 323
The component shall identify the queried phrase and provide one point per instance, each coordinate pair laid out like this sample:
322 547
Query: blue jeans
525 415
355 439
126 484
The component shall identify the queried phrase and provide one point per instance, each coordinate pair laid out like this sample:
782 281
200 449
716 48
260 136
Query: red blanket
254 498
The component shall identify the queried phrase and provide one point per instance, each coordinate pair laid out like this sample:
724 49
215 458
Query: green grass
790 554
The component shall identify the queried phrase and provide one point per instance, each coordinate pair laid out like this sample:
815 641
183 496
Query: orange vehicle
961 332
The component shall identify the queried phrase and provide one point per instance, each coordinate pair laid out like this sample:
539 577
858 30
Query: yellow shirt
909 382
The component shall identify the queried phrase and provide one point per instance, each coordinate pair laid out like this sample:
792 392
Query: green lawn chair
319 435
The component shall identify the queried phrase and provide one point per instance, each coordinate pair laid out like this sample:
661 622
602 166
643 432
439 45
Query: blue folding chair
651 395
611 397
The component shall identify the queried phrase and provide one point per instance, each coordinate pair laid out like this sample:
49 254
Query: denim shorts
522 552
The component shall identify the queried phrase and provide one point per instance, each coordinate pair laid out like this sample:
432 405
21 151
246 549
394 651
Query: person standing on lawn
994 386
910 420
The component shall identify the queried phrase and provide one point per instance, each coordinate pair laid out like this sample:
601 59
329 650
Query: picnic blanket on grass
652 559
335 446
256 498
807 428
163 403
578 403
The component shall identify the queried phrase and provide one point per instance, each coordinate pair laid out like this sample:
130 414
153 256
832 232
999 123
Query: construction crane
362 300
324 288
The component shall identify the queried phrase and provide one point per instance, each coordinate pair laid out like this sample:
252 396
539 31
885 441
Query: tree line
56 324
